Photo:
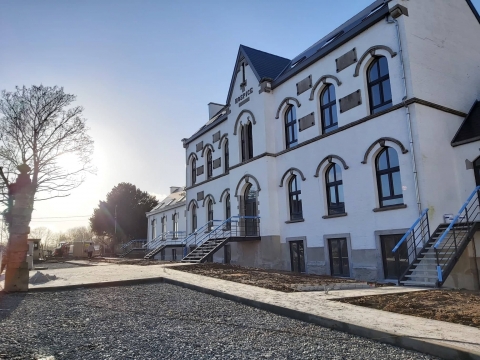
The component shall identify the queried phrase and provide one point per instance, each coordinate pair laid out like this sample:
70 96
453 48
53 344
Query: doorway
227 254
297 256
390 269
338 251
476 169
250 197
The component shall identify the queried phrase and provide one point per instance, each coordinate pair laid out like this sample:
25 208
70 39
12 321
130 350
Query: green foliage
131 204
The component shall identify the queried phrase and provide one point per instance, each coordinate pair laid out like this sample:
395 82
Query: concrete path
446 340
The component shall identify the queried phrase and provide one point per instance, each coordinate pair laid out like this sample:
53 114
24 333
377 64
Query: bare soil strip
268 279
456 306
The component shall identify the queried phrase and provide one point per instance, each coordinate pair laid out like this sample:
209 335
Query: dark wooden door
297 256
250 211
476 168
390 268
338 250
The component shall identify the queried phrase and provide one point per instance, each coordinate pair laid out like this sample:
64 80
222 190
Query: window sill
334 216
294 221
393 207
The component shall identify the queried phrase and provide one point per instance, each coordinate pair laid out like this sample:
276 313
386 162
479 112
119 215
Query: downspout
407 114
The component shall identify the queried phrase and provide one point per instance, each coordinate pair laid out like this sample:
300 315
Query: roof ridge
264 52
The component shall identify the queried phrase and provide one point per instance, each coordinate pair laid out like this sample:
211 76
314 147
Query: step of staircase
418 283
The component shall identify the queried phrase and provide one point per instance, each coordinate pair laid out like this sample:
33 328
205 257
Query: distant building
166 227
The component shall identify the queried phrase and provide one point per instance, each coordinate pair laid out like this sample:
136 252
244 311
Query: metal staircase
212 236
424 260
169 238
132 246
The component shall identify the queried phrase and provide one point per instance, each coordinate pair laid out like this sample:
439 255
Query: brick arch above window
323 80
208 198
194 202
251 118
192 155
286 101
221 141
290 172
372 52
224 193
247 178
381 142
329 160
207 146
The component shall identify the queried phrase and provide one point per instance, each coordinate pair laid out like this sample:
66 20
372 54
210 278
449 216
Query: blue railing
237 226
412 229
167 238
407 249
454 239
131 243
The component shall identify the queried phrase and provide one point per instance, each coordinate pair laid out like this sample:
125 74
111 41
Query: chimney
174 189
213 109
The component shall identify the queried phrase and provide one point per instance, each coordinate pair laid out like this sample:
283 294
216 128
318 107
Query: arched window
388 178
328 107
250 140
227 156
194 171
194 218
209 164
175 225
154 228
164 226
294 195
228 212
210 214
246 141
379 91
334 183
291 135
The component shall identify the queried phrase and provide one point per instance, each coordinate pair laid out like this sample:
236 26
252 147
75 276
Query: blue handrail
456 217
409 230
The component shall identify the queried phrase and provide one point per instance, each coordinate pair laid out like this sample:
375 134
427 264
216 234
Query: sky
144 71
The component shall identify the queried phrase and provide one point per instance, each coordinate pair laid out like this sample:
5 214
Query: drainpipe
407 113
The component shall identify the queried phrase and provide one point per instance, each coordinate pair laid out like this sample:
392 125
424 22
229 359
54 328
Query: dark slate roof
469 131
345 32
474 10
264 65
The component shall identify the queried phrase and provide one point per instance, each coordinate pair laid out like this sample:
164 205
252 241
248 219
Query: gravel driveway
162 321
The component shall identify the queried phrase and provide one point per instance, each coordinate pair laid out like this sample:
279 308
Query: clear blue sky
145 71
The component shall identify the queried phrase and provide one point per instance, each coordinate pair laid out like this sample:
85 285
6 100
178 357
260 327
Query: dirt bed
456 306
122 261
268 279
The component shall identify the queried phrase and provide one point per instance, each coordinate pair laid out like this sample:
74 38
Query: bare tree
80 233
39 128
44 233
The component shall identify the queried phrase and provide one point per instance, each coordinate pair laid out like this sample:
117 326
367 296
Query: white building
340 149
166 227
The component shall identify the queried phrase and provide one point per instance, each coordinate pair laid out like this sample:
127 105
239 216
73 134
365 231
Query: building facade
167 227
339 150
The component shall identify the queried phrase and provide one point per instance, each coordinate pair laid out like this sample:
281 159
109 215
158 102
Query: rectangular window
391 269
174 254
338 251
162 254
227 254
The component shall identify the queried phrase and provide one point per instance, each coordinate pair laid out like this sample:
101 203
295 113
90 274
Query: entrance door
390 269
250 211
297 256
476 168
339 257
227 254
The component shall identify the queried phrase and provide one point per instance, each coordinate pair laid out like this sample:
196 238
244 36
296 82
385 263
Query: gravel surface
162 321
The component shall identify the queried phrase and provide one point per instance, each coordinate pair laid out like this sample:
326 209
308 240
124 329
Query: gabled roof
474 10
469 131
263 65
